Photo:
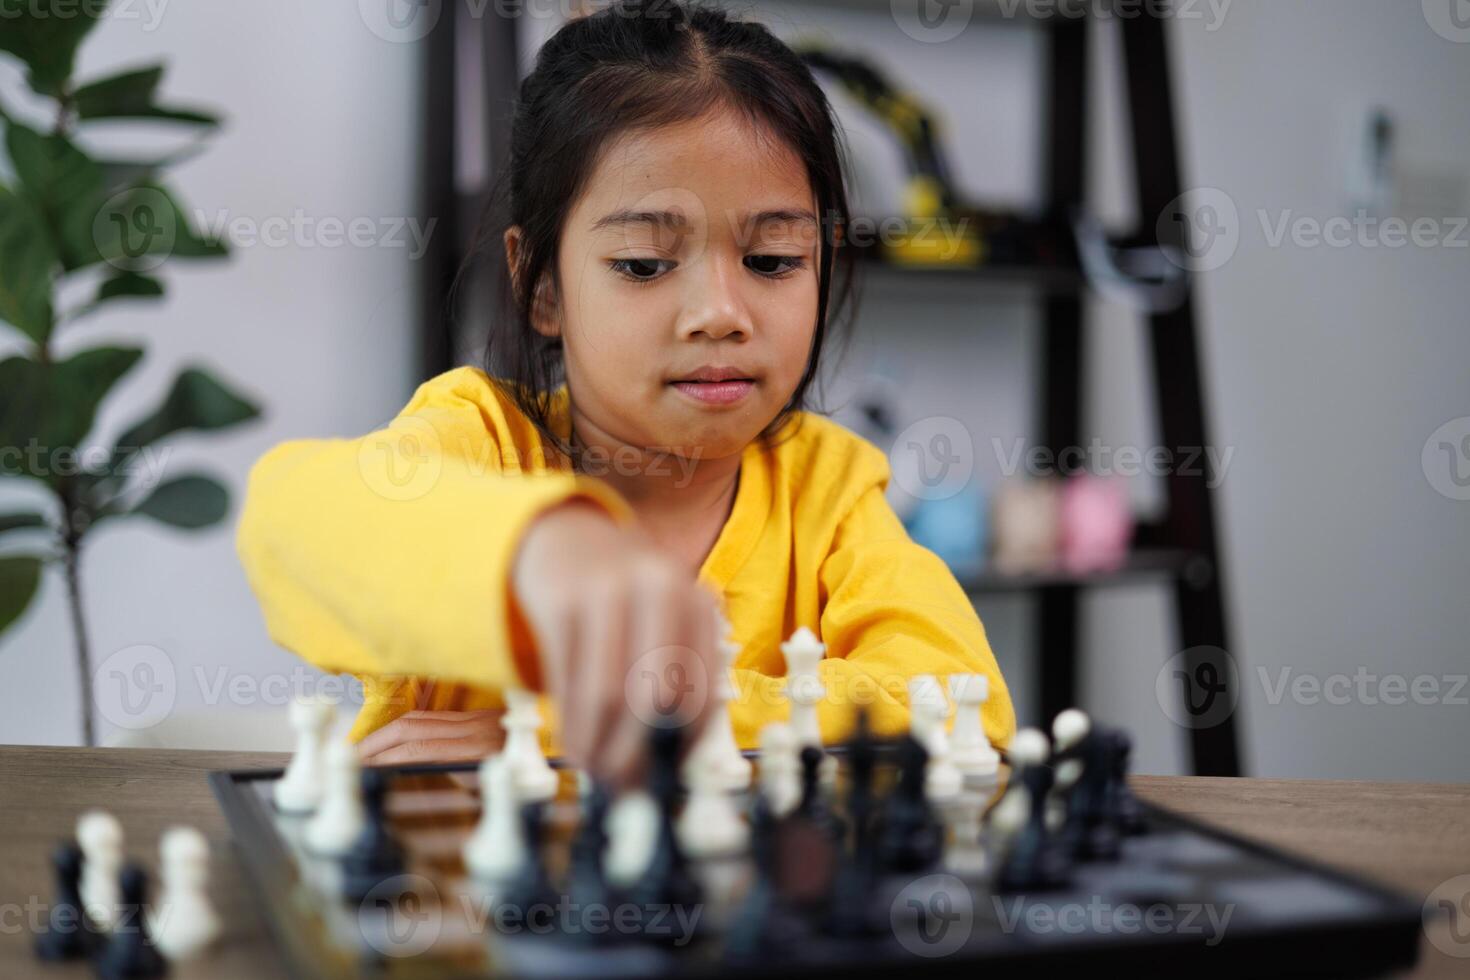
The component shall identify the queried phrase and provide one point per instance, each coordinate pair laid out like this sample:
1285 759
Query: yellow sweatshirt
388 556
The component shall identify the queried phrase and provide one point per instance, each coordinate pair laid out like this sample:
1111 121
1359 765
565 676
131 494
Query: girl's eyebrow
674 220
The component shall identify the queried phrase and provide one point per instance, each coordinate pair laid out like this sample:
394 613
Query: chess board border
1388 944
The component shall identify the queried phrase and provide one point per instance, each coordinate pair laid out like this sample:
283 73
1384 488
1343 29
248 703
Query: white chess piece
804 689
710 824
717 748
1029 747
632 837
300 789
970 749
496 849
183 921
536 781
100 838
780 769
1068 729
928 711
339 820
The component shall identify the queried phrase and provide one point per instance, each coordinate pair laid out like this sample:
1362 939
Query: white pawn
928 711
100 838
717 748
535 780
633 823
710 825
780 770
496 850
1029 747
1067 730
300 789
184 922
969 747
339 820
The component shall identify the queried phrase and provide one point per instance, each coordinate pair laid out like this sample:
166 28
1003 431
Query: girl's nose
715 307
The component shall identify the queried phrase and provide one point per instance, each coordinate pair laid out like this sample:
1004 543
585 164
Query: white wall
320 117
1327 369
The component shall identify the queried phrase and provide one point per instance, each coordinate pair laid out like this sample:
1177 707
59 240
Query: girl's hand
433 736
626 637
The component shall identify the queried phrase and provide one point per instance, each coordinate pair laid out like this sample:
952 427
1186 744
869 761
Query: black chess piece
531 885
586 880
910 838
1037 859
376 856
1091 831
67 934
1125 810
766 925
666 883
813 808
852 894
130 953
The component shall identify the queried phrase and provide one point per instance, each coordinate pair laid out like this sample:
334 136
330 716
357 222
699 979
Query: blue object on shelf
954 528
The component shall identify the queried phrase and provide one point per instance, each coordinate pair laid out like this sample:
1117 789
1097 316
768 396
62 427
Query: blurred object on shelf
1096 524
1025 526
954 528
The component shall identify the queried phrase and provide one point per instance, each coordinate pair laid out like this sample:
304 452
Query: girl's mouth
726 392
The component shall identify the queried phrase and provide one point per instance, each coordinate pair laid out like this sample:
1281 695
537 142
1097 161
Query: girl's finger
410 728
418 751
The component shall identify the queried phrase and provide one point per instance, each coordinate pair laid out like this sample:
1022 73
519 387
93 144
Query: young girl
636 460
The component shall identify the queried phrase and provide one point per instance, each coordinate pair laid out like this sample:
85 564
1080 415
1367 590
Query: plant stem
72 564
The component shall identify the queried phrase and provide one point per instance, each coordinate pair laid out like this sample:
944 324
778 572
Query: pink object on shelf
1096 524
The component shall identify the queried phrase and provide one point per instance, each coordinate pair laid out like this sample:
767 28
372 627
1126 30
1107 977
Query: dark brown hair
638 64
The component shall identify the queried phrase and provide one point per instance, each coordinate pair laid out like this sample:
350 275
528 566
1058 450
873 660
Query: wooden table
1409 836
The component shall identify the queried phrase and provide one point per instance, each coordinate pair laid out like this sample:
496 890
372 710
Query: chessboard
864 875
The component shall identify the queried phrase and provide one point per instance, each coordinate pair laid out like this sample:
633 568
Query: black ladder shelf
1182 548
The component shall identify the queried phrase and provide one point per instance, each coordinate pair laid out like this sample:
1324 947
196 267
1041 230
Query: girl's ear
544 312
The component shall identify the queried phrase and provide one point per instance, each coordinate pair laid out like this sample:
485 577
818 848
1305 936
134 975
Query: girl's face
689 288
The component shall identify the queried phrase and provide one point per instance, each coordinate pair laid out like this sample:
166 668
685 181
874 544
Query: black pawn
586 881
812 807
911 839
852 894
130 953
765 925
1037 860
531 885
667 883
1123 807
375 856
67 935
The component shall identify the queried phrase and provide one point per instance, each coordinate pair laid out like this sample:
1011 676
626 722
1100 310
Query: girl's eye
638 270
775 266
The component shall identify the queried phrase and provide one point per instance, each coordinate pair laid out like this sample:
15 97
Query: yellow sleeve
893 610
389 555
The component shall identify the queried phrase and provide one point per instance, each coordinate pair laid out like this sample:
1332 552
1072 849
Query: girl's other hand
433 736
626 637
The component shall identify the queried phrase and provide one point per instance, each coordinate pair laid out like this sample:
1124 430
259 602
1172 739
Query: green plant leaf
17 522
138 228
123 285
19 578
190 502
46 36
46 408
26 260
197 401
129 95
66 183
